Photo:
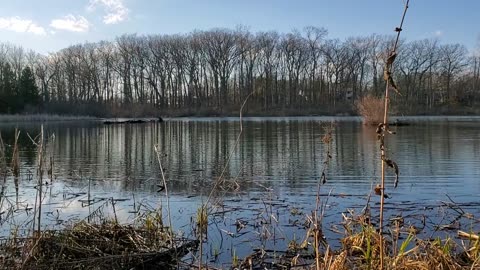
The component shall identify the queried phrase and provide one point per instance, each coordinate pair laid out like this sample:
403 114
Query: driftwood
469 236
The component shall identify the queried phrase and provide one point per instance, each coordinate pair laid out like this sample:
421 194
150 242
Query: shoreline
31 118
43 117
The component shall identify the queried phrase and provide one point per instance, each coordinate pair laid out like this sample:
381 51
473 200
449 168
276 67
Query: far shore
31 118
9 118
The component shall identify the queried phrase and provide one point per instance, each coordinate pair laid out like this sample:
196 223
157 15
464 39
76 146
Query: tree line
212 72
18 92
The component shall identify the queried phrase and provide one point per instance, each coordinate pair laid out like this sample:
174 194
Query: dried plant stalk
16 155
389 84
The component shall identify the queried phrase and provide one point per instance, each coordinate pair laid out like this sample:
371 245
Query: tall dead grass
372 109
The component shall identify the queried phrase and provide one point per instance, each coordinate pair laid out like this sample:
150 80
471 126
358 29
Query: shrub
371 109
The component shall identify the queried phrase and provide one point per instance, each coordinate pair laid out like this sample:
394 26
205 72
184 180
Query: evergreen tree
8 90
28 90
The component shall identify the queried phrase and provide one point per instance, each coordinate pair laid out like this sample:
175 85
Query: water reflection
442 155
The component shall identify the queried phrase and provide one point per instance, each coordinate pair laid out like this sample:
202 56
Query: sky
50 25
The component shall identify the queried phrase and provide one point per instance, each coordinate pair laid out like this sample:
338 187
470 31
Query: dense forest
212 72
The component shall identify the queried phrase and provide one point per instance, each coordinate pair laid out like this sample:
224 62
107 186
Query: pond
270 176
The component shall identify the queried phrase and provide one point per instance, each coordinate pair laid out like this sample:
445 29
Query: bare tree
220 48
215 70
452 61
315 37
417 59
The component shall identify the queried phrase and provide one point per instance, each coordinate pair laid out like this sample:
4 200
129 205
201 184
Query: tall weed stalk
3 161
39 143
382 130
202 214
164 186
319 213
15 164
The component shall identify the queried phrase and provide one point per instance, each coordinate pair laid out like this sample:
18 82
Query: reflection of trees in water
272 153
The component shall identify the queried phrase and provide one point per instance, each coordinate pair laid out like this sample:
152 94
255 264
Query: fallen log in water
132 121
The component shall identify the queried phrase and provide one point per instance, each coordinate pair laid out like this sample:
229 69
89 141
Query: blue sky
49 25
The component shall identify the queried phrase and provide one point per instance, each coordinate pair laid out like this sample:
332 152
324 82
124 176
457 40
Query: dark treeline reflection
283 153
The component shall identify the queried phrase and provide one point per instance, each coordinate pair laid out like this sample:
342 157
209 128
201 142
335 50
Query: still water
271 174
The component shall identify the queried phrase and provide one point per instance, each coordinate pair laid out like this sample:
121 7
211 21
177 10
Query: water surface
270 176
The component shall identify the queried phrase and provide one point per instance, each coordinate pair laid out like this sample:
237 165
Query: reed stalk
40 164
202 212
389 84
327 140
15 164
165 186
235 145
3 161
51 152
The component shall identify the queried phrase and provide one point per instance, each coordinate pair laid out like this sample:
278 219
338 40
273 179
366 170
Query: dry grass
372 110
362 243
96 246
361 248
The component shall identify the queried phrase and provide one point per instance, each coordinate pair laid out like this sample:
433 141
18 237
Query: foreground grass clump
96 246
361 247
371 109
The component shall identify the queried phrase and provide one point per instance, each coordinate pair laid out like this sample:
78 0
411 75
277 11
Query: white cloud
20 25
438 33
37 30
71 23
115 9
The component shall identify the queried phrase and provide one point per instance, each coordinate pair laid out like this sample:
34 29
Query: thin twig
237 141
40 178
327 139
220 178
166 191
